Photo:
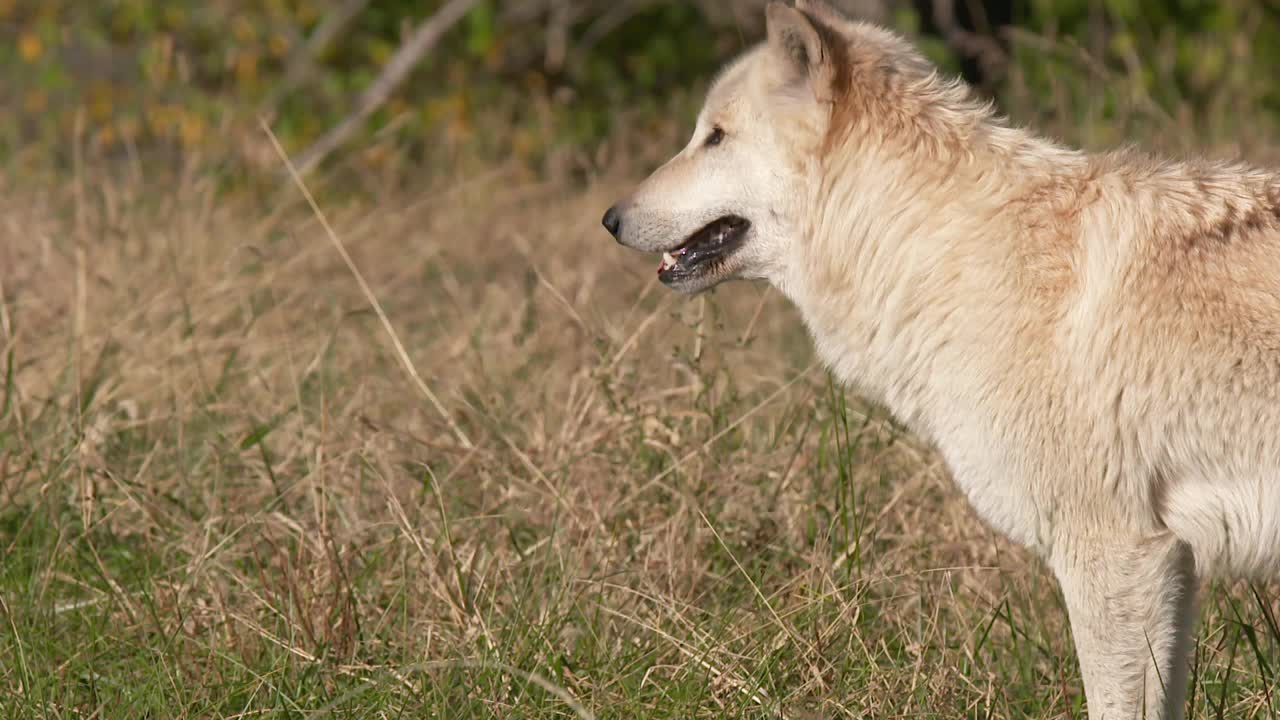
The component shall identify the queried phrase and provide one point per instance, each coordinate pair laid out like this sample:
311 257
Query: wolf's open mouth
703 250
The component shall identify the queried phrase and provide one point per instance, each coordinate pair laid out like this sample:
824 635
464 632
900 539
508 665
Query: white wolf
1091 341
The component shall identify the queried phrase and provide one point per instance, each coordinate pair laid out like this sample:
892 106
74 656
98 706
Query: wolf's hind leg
1132 607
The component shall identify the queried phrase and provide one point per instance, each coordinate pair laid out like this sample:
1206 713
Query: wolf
1091 341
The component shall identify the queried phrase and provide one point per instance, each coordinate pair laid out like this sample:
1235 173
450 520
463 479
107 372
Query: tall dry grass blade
403 355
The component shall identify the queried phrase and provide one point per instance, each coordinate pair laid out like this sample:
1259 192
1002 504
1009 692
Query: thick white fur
1091 341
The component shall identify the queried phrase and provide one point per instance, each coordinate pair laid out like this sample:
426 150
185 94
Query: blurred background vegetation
543 81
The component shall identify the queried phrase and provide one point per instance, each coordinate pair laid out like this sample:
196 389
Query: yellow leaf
306 13
279 45
242 28
160 119
106 136
100 104
192 130
30 47
246 67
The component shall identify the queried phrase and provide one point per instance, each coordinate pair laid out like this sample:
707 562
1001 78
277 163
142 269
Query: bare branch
609 21
303 63
397 69
558 34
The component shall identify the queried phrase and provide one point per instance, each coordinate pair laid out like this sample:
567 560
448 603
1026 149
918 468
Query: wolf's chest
1007 505
992 470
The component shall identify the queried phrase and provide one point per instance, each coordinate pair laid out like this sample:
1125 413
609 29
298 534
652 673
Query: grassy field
526 482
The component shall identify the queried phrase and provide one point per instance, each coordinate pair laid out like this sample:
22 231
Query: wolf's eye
717 134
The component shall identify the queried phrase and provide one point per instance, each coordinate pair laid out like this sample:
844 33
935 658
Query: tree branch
397 69
303 63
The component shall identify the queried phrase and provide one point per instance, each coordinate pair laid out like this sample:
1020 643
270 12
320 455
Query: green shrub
187 75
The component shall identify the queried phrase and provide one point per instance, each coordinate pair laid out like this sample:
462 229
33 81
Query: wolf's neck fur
906 235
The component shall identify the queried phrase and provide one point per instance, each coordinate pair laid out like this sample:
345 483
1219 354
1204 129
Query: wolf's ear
823 11
793 36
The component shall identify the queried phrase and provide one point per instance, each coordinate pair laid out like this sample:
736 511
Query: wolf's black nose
612 221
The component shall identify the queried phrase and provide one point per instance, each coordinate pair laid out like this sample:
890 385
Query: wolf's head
731 203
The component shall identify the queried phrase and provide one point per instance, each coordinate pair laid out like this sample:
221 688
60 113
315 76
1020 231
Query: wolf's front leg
1132 607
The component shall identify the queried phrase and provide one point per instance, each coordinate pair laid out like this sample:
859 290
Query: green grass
223 498
221 495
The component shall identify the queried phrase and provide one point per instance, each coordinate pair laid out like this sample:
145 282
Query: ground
225 492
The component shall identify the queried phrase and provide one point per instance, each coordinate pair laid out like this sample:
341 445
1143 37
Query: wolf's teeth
668 260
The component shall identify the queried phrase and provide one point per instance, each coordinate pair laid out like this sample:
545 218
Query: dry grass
223 496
